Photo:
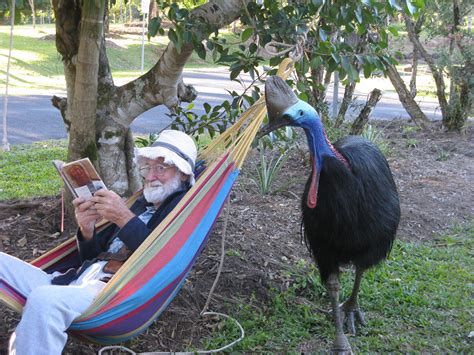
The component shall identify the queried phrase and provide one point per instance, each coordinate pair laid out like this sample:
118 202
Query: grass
420 300
36 66
26 171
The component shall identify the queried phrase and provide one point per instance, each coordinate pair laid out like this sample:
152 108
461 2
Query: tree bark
363 118
414 66
82 142
405 97
348 93
414 72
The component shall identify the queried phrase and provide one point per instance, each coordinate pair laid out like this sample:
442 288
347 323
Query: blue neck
317 141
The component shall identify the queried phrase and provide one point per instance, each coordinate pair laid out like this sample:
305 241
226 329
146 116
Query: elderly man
55 300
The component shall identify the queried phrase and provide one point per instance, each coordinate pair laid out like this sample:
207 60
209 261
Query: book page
81 177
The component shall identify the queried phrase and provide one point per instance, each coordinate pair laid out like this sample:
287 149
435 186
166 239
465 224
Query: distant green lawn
26 171
36 65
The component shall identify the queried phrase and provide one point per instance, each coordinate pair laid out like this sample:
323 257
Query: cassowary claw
352 316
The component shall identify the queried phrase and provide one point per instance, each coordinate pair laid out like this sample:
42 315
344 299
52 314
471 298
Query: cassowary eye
301 113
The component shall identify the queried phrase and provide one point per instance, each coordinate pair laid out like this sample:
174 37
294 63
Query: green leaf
153 27
345 63
235 73
301 86
303 96
393 30
245 35
173 36
353 73
200 50
368 70
316 62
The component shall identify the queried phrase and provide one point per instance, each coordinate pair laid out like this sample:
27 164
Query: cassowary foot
341 345
353 315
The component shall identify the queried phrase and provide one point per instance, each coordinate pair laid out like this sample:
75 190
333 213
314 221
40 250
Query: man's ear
184 177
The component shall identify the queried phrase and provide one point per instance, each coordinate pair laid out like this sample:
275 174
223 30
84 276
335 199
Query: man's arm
86 216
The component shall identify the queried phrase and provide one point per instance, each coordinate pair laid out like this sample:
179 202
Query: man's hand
111 206
86 216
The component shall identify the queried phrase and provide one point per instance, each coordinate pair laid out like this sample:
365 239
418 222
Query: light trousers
49 309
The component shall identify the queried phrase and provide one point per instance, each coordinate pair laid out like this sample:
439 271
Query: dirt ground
433 171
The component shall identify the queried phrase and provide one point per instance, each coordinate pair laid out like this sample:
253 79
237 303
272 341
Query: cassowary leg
351 307
341 344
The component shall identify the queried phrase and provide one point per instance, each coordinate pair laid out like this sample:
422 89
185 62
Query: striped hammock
147 282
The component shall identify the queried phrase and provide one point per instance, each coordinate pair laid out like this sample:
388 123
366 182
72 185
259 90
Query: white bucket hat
176 148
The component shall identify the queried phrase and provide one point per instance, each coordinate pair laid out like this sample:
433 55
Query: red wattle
313 187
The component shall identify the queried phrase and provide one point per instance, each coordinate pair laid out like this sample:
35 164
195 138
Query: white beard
155 192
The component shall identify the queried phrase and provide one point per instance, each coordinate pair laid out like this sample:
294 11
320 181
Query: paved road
33 118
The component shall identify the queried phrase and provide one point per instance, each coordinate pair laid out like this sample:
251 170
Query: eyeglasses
158 169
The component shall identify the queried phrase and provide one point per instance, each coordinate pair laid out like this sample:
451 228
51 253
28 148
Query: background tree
453 60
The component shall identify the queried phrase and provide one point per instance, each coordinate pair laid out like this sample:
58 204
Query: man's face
161 179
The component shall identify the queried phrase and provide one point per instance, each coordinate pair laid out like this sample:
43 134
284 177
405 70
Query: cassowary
350 203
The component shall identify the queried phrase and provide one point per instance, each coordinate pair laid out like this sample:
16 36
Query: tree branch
61 104
163 83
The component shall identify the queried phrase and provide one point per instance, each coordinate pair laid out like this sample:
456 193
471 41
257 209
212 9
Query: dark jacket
132 234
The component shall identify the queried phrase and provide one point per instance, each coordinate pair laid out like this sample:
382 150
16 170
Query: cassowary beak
279 97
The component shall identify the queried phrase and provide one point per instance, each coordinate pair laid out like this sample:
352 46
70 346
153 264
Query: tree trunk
82 115
405 97
363 118
33 13
437 73
414 73
100 113
460 100
348 93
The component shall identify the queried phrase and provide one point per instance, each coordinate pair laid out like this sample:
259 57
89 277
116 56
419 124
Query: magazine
80 177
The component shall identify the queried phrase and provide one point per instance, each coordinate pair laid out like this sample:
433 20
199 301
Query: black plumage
357 210
350 204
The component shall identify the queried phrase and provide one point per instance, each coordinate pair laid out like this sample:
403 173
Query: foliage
418 301
375 136
27 171
267 170
141 142
342 36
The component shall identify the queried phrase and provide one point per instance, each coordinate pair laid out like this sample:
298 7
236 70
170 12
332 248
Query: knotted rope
296 51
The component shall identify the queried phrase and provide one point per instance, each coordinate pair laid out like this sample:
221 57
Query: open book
80 177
